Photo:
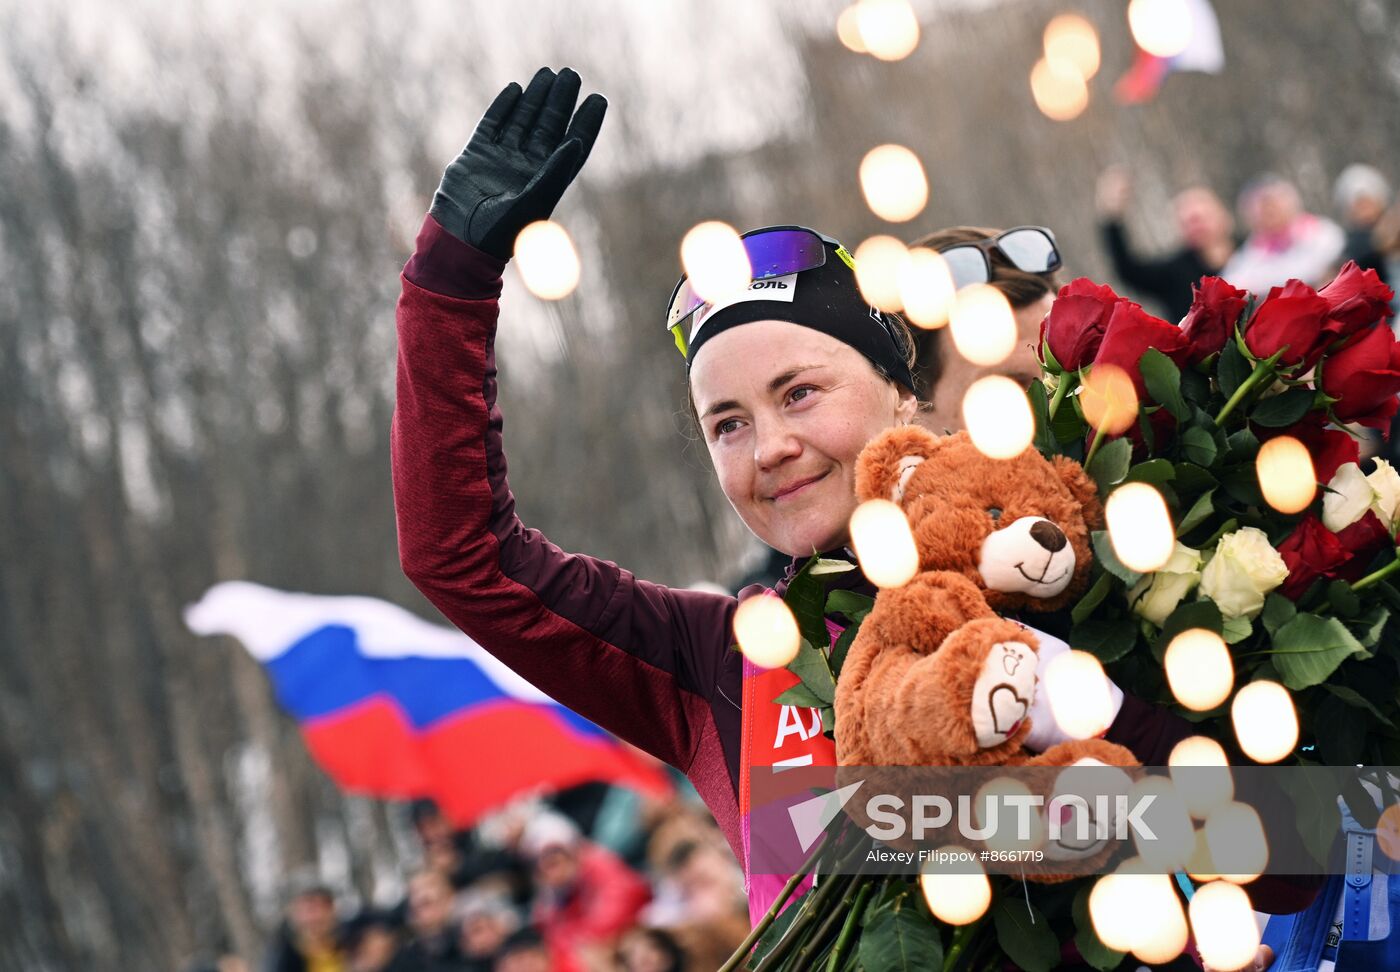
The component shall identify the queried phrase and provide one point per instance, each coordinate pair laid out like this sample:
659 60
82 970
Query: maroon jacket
649 663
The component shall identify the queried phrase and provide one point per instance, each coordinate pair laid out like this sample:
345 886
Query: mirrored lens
967 264
1030 250
772 253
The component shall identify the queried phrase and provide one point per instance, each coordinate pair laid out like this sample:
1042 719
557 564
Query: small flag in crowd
392 706
1202 51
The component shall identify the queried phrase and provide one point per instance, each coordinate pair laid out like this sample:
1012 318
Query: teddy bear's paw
1087 810
1003 692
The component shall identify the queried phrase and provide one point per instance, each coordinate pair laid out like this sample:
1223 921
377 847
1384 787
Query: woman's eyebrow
773 386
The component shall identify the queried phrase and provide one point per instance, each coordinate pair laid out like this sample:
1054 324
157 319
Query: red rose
1363 539
1215 310
1356 298
1291 317
1130 332
1311 551
1074 327
1330 448
1365 376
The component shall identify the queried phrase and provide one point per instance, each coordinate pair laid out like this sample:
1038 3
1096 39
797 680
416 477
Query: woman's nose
774 443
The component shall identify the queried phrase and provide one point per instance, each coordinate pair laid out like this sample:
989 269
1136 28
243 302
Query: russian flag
392 706
1204 53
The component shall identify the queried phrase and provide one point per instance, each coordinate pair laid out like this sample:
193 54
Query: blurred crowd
1276 238
593 880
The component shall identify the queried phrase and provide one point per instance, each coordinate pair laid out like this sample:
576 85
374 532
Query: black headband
826 299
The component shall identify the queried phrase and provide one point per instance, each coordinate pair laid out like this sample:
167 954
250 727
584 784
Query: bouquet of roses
1245 422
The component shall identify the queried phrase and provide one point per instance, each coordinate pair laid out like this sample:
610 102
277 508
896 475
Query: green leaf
852 605
1163 379
1229 526
799 695
1045 442
1199 512
1242 485
901 936
806 597
1111 463
811 666
1345 601
1107 639
1278 611
1315 809
1198 446
1370 626
1091 947
1282 410
1195 387
1155 471
1354 698
829 721
1309 648
1024 934
1243 444
1067 424
1235 630
1105 555
1092 598
1191 478
1232 369
842 647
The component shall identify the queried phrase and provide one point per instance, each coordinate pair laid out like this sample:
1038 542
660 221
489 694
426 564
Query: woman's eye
800 392
995 513
727 426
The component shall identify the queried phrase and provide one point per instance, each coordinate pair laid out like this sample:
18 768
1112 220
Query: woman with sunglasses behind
789 382
1021 263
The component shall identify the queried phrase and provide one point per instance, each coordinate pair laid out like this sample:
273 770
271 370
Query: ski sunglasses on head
773 251
1030 249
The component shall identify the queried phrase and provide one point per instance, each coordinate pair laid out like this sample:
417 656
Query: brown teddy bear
936 677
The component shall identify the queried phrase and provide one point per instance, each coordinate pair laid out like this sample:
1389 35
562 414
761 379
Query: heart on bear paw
1008 709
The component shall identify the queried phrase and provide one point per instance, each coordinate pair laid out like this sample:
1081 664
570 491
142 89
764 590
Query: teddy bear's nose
1049 536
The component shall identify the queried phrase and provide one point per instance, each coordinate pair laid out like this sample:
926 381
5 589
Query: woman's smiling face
785 411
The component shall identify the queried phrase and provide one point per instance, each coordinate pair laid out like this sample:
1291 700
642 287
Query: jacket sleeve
638 659
1152 277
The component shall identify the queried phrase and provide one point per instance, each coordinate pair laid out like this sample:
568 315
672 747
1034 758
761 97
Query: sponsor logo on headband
782 288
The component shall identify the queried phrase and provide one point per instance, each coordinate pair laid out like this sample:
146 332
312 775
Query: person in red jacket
587 896
789 383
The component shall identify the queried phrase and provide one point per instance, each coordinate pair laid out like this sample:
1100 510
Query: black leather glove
519 161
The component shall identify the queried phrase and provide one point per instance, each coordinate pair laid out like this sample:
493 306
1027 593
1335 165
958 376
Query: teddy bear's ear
1083 489
888 462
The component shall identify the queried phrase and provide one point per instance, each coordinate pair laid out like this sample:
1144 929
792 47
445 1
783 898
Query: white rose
1348 498
1244 569
1156 596
1386 482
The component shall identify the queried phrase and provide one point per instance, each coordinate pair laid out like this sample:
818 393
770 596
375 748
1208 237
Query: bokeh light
1059 90
848 29
714 259
1162 28
888 28
1286 476
883 543
997 792
1072 40
1266 722
1174 835
1223 922
997 415
925 288
1235 835
1109 399
958 899
893 183
1388 832
1078 692
547 260
766 631
1199 669
1201 772
1140 527
983 325
878 263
